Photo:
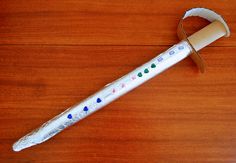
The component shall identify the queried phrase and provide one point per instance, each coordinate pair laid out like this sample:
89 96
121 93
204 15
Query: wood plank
100 22
179 116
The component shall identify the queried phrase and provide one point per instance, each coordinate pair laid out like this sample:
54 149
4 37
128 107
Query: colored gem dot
171 52
180 47
153 65
99 100
140 74
133 77
69 116
160 59
146 71
85 108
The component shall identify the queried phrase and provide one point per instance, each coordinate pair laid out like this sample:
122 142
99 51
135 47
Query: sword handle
207 35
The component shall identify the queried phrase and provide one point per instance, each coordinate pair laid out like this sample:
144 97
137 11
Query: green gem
153 65
140 74
146 71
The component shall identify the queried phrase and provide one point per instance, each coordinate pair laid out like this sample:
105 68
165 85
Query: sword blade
105 96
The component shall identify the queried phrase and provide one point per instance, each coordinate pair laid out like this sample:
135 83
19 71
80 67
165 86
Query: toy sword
188 46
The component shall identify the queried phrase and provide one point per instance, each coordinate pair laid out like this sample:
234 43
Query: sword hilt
217 29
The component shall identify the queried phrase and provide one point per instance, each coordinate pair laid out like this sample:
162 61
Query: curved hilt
217 29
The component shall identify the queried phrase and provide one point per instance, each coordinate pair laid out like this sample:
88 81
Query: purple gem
160 59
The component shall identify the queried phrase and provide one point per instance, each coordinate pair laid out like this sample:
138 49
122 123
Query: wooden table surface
55 53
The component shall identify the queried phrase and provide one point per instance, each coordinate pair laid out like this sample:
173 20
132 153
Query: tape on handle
205 36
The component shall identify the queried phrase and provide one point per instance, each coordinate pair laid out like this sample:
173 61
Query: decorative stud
171 52
146 71
140 74
123 85
181 47
85 108
153 65
99 100
133 77
160 59
69 116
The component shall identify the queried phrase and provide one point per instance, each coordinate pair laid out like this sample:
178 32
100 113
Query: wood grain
55 53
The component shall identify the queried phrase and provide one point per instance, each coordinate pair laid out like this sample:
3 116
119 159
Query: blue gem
160 59
171 52
180 47
99 100
69 116
85 108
